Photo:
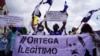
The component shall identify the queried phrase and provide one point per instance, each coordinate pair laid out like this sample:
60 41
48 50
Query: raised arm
63 27
47 27
65 31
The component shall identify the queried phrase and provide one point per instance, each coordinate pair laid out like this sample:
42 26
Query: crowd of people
85 29
7 39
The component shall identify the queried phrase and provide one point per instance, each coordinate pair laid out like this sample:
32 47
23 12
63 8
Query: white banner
11 20
56 16
53 45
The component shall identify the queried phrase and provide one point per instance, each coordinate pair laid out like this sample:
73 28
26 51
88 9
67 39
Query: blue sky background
77 10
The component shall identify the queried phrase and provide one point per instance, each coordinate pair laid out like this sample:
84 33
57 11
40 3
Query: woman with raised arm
56 30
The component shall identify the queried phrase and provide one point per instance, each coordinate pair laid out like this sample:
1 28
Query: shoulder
60 31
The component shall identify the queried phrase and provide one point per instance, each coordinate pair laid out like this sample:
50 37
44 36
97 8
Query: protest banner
46 45
56 16
11 20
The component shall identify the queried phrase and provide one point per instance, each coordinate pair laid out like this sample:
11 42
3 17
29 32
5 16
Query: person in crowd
3 44
86 28
69 32
3 41
39 30
11 35
35 20
22 30
74 31
56 30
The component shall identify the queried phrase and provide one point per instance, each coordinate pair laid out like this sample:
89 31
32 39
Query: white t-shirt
39 33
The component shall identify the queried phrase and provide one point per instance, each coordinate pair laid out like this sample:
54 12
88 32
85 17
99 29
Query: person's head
40 27
69 32
86 28
10 27
74 30
23 30
13 29
55 27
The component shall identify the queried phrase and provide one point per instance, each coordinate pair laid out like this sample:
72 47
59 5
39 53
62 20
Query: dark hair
69 32
55 27
74 29
86 28
13 29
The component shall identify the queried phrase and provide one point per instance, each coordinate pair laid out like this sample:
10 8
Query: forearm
47 27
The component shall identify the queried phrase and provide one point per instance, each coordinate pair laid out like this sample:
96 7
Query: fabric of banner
46 45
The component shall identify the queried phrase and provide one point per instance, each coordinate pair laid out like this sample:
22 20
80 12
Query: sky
77 9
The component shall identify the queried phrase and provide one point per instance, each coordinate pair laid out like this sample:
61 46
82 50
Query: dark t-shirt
59 32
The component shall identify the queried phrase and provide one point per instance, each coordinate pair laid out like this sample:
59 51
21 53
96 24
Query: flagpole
79 25
49 8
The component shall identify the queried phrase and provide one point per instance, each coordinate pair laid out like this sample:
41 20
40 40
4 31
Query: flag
88 16
65 7
49 2
35 20
3 8
36 11
36 14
